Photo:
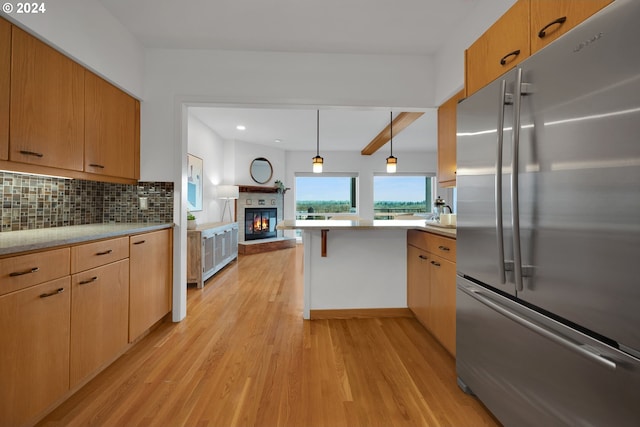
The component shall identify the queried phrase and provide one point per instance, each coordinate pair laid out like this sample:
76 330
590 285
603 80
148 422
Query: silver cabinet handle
558 339
444 248
22 273
498 182
423 257
437 264
50 294
86 282
515 206
107 252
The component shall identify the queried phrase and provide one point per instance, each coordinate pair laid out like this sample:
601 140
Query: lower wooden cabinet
431 285
34 350
150 256
418 283
66 313
442 302
99 318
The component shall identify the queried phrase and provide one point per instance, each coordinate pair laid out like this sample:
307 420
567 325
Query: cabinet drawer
442 246
418 239
22 271
95 254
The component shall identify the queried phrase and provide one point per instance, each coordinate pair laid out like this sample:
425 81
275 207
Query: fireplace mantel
257 189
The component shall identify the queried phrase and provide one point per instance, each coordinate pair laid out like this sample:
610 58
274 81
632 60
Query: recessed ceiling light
241 127
277 141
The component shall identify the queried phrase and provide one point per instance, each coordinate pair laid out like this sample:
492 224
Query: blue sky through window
323 188
398 188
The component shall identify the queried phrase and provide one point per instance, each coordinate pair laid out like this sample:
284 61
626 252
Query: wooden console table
210 247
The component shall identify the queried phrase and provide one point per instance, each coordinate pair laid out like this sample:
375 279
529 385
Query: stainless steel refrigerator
548 250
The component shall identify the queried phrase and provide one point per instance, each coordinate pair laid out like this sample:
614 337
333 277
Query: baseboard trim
359 313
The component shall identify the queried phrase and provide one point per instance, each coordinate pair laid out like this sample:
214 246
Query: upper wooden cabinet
447 141
499 49
111 131
57 118
47 105
524 29
552 18
5 86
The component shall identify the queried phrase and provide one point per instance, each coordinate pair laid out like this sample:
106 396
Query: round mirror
261 170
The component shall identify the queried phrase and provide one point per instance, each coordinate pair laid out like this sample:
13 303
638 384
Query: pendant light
317 160
392 162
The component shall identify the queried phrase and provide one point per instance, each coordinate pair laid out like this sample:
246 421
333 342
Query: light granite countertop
13 242
365 224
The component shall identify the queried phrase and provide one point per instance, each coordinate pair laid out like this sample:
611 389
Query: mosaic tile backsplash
30 202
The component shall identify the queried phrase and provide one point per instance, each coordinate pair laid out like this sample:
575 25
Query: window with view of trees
317 197
401 195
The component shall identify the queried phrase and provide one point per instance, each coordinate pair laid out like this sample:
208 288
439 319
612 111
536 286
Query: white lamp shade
228 191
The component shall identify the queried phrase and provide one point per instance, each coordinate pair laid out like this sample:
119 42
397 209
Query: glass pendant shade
317 164
392 163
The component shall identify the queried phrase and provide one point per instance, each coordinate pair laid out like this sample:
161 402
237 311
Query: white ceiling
340 129
415 27
385 27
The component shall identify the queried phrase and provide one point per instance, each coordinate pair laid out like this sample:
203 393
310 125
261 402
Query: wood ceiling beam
401 121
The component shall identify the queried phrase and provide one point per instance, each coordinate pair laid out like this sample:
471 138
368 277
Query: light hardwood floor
245 357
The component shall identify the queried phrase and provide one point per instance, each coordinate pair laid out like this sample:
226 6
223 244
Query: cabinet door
499 49
442 308
150 290
110 135
34 355
5 86
447 141
99 317
47 105
209 251
552 18
418 282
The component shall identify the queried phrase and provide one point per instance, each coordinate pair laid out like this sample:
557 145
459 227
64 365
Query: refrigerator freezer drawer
530 370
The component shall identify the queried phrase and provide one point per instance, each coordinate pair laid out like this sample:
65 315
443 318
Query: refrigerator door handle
515 211
504 100
558 339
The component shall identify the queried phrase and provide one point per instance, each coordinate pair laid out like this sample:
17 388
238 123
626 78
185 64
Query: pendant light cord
391 130
318 134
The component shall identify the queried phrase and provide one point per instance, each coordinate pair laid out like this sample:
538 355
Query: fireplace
260 223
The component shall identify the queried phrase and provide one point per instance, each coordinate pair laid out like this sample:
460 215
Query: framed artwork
194 183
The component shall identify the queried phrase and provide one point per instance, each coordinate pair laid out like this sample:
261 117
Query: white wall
206 144
88 33
449 60
173 77
245 152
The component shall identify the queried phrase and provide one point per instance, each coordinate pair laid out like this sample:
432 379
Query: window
401 195
319 197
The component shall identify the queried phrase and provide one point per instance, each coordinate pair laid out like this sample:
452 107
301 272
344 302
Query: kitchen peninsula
358 266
